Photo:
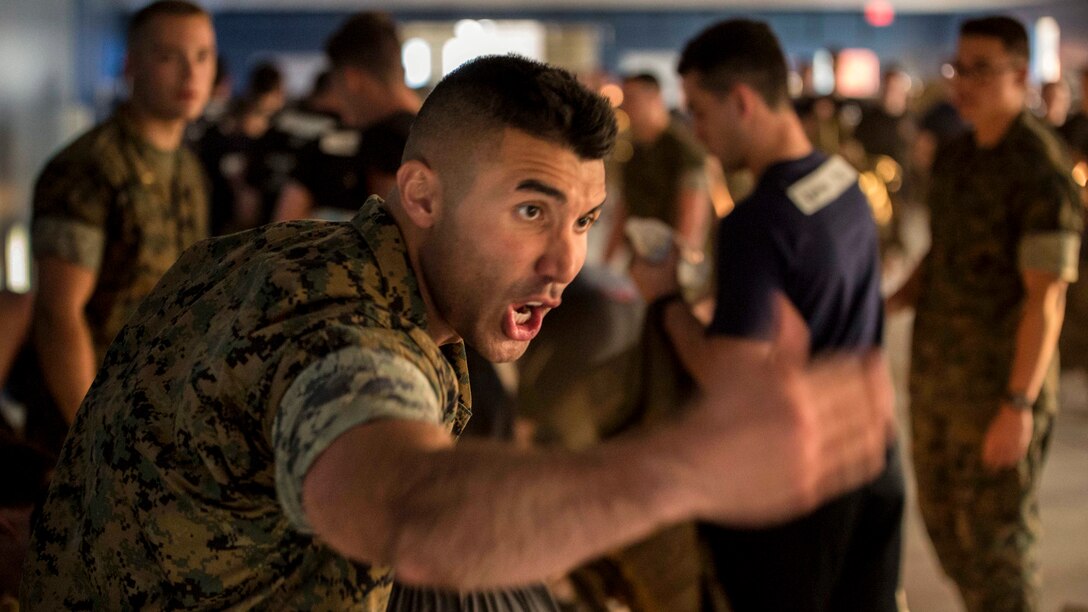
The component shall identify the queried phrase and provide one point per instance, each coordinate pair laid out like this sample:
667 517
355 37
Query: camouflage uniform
112 203
180 484
995 212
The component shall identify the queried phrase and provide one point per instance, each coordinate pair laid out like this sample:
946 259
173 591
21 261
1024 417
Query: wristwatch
1019 401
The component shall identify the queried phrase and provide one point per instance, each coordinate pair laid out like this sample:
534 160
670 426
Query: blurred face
641 102
715 121
990 82
497 260
172 65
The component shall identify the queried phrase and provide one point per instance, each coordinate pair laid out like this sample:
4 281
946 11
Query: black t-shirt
805 231
275 155
334 168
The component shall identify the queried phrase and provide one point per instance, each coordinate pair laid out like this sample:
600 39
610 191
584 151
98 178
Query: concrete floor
1063 504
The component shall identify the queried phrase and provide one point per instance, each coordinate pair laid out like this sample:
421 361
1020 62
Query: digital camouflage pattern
994 213
112 203
166 491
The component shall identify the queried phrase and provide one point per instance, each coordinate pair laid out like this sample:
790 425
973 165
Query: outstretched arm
761 447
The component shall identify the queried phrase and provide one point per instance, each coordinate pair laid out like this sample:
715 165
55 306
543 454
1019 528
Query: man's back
807 232
820 250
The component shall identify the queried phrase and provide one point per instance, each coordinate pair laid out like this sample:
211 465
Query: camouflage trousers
984 525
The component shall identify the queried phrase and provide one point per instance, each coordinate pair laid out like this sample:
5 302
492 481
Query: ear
745 98
420 192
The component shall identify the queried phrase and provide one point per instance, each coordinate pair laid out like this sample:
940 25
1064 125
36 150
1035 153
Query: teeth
522 317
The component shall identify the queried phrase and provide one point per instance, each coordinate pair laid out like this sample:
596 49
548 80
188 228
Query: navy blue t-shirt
805 231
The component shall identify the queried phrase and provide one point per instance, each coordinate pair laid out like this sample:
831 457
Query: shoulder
96 155
1039 146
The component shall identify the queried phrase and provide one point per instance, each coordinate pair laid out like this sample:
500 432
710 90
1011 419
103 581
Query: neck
781 138
163 134
990 132
437 328
397 98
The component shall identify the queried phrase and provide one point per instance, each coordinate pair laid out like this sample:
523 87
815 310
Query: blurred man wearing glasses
990 300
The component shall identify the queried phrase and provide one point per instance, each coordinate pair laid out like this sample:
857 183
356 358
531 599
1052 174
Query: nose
562 258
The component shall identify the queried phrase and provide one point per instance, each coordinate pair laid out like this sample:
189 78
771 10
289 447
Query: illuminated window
858 73
1047 66
472 38
823 73
17 258
416 56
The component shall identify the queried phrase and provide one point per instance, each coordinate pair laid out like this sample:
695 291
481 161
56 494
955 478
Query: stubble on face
481 259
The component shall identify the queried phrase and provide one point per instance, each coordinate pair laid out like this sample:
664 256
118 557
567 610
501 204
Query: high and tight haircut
1011 33
493 92
265 78
368 41
161 8
644 78
738 51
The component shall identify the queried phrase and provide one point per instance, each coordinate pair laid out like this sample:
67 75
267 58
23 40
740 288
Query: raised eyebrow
596 209
542 188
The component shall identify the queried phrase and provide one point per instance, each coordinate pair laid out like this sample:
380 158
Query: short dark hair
494 92
738 51
322 83
643 78
171 8
265 78
368 41
1011 33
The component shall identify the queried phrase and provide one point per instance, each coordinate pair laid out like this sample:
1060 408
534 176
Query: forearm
1036 340
485 515
693 216
702 356
502 520
66 356
16 311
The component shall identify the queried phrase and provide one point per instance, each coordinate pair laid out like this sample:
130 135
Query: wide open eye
529 212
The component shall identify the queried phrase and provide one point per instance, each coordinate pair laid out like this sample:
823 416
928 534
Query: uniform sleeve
751 268
72 201
335 393
1051 227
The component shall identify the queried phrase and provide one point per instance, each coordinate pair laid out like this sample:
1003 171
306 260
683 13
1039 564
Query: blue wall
918 42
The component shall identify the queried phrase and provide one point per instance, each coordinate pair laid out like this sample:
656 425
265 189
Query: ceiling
903 6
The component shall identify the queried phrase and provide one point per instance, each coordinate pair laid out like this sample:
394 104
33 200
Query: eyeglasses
978 73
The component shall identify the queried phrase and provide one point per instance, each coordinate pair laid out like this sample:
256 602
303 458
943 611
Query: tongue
522 331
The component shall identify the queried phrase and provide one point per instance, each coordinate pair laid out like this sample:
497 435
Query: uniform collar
401 288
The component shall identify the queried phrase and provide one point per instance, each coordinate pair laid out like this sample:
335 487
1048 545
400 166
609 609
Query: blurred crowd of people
721 214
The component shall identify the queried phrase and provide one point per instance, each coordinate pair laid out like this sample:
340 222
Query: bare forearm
691 344
488 526
16 310
67 358
1036 341
693 216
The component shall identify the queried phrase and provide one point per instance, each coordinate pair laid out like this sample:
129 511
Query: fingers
791 338
855 411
